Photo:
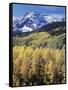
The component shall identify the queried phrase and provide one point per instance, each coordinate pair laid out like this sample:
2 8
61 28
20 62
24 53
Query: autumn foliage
38 66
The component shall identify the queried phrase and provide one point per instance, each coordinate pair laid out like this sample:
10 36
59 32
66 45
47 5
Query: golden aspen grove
38 66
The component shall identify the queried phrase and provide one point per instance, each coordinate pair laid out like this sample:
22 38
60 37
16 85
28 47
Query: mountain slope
52 39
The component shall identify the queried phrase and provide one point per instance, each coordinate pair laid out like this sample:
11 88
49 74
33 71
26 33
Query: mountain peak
31 14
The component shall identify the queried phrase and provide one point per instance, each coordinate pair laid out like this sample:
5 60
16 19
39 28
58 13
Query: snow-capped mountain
33 20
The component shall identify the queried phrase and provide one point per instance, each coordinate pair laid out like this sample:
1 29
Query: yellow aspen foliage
38 66
59 57
15 52
48 54
49 67
35 61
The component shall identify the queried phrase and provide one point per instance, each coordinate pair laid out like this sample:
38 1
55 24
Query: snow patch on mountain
26 29
48 18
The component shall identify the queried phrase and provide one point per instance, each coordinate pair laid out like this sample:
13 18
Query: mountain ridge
33 20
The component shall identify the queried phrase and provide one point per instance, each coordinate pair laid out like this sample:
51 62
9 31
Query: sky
21 9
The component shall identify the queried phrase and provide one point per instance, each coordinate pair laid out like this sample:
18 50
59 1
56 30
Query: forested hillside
54 38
